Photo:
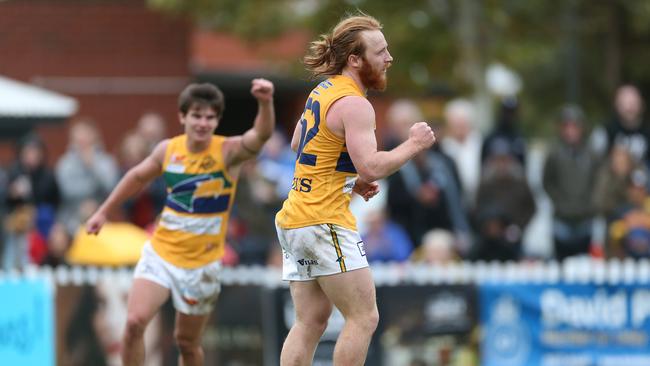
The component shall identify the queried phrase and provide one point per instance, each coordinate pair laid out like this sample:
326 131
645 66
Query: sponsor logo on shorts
189 299
148 268
307 262
362 248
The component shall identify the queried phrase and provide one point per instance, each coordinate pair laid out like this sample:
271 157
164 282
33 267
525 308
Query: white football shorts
194 291
319 250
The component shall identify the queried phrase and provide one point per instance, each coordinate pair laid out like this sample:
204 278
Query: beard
372 78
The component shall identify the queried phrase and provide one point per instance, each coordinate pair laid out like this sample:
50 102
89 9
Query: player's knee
373 319
320 323
187 345
315 323
135 326
368 321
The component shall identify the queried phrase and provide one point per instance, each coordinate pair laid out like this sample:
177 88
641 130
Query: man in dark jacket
569 176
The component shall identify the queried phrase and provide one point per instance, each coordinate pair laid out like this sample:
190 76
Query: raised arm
133 182
237 149
358 119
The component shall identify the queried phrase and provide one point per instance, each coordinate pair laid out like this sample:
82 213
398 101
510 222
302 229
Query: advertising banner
565 325
418 325
234 335
284 320
426 325
91 320
26 322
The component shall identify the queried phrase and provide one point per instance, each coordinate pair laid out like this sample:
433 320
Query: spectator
253 210
19 224
462 142
58 243
612 180
275 165
424 193
245 247
437 248
504 206
143 208
507 132
84 173
152 128
32 199
384 240
263 185
30 180
568 178
628 127
630 232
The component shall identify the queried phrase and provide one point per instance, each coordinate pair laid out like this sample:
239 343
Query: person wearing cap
506 129
504 205
568 179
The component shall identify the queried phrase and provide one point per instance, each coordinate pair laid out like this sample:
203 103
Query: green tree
569 51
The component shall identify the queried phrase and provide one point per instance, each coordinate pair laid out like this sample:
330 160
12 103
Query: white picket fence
574 270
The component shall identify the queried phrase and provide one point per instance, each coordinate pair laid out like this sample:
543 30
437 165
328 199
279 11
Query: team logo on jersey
208 188
207 163
200 194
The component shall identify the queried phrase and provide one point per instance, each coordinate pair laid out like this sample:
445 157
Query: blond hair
329 54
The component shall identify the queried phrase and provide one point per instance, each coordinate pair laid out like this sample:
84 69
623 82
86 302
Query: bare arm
237 149
365 190
295 139
133 182
358 119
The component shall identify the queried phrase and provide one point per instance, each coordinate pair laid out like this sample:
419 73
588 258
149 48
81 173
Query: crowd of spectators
467 198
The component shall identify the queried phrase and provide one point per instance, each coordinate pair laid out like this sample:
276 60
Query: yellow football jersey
192 228
324 174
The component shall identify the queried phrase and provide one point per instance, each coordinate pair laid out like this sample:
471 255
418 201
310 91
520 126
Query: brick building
119 59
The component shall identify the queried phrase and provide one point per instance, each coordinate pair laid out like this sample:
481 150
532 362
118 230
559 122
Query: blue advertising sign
26 322
565 325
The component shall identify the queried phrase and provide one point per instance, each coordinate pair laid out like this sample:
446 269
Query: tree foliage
569 51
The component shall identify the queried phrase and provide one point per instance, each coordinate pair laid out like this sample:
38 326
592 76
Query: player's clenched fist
262 90
95 223
422 135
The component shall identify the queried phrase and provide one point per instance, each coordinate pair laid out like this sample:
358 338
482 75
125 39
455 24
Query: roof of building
22 100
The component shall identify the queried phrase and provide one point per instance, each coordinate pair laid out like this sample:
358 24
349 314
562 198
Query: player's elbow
368 175
136 177
264 135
